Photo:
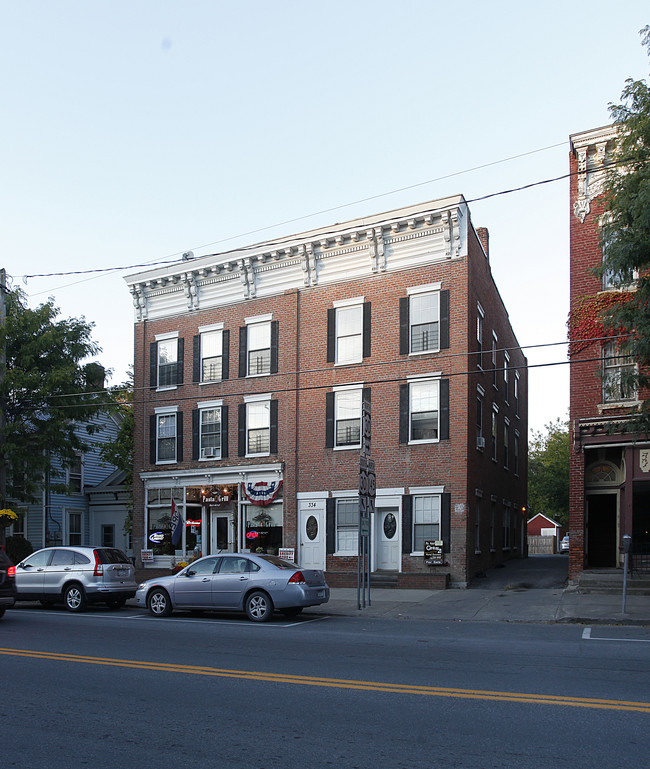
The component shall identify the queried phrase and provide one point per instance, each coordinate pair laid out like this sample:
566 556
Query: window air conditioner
480 442
209 452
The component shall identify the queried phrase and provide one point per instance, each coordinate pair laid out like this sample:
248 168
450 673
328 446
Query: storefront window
159 517
263 528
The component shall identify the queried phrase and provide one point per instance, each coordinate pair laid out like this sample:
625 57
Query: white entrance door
222 537
387 556
312 534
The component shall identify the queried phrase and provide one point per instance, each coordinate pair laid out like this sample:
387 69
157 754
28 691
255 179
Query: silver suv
77 576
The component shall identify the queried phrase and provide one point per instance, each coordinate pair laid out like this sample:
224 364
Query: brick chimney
484 237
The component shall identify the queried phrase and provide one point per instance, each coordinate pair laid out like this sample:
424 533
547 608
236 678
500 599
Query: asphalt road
122 689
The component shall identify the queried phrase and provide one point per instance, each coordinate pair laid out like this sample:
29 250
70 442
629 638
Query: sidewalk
532 589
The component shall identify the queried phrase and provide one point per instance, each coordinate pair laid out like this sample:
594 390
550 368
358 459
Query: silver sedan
255 584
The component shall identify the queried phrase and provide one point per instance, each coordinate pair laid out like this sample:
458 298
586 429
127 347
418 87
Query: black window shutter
224 431
195 434
153 365
366 329
241 430
181 360
329 420
444 320
273 433
243 352
331 335
196 358
445 522
225 354
404 313
179 436
153 437
275 334
366 393
404 413
443 433
407 523
330 525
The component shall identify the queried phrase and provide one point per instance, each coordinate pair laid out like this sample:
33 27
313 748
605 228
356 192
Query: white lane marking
586 636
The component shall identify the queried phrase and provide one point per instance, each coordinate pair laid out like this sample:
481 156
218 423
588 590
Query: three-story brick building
250 371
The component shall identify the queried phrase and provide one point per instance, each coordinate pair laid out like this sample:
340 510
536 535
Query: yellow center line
341 683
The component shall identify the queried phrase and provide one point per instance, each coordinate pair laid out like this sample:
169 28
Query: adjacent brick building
250 371
610 468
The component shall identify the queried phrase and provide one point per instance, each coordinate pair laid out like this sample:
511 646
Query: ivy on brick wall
587 319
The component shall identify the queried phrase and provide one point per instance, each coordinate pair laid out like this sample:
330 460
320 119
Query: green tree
626 230
45 394
548 472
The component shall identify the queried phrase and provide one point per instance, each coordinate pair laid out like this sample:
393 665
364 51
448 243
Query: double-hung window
424 410
480 317
480 398
211 354
424 320
258 346
493 432
167 361
258 425
75 475
347 526
210 430
75 529
166 435
618 375
348 331
347 418
426 520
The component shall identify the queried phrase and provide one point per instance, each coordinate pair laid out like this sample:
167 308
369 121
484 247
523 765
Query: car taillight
11 571
297 579
99 567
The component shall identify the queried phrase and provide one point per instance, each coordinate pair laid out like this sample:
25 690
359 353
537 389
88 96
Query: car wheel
159 603
294 611
115 603
74 598
258 606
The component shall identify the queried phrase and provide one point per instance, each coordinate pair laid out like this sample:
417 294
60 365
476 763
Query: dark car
76 576
255 584
7 583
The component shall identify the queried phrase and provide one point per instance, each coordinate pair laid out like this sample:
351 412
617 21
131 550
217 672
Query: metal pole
627 539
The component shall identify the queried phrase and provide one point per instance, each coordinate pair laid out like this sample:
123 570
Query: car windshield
279 562
111 555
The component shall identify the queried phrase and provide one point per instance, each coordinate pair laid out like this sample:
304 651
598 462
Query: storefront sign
433 552
146 555
157 536
188 522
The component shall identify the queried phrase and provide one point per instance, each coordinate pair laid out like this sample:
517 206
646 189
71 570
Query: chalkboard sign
433 552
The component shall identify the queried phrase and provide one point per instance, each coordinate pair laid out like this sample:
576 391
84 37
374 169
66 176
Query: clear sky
134 130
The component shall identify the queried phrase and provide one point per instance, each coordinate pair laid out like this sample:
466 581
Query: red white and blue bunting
261 493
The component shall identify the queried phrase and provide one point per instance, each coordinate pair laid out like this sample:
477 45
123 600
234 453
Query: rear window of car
279 562
111 555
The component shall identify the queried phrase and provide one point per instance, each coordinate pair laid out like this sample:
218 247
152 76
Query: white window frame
434 515
417 295
354 339
480 322
613 375
414 383
204 408
259 324
494 431
70 475
206 333
162 413
347 534
343 400
162 341
68 528
258 409
506 376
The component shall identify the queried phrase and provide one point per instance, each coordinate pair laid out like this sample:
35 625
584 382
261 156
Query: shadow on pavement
534 572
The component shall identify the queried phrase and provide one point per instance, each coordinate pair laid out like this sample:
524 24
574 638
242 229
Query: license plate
321 594
122 572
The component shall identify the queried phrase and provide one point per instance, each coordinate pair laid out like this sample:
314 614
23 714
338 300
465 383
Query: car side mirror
190 573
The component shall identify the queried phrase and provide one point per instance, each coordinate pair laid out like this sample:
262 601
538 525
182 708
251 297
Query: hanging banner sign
261 493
